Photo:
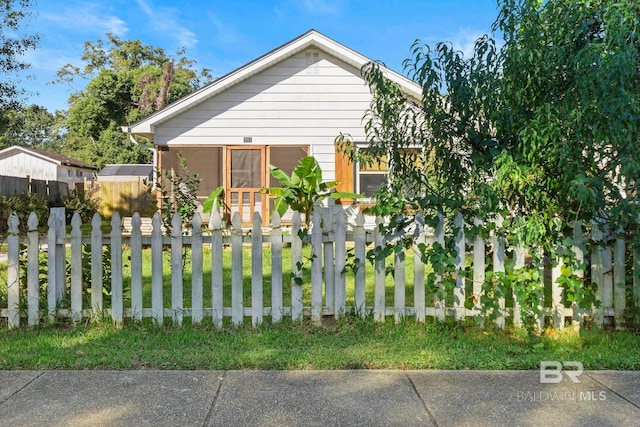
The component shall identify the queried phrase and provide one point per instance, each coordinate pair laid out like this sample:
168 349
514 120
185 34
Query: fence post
257 300
136 267
177 303
33 271
296 262
13 271
76 268
96 264
52 293
316 269
379 303
330 269
215 225
359 262
339 281
237 307
439 239
458 291
157 303
58 215
418 271
276 268
196 269
117 295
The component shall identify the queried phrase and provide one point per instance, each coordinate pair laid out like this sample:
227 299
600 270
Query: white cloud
162 20
88 17
463 40
318 7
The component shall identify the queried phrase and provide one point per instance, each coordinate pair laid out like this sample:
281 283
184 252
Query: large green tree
14 43
539 128
542 126
127 81
31 126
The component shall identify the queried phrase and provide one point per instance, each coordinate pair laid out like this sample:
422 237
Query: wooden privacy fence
52 191
66 293
124 197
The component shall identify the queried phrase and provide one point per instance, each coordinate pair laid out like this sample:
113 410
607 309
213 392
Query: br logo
551 371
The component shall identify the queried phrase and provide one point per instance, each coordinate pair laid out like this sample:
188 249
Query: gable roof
146 127
57 158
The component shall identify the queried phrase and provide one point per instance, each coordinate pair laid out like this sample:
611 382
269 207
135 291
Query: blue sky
224 35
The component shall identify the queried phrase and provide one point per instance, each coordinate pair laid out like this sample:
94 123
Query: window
370 177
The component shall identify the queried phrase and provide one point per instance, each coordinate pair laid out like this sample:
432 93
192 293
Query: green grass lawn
349 343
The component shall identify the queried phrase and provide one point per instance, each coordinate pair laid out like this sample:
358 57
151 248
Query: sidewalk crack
424 404
207 420
23 387
613 391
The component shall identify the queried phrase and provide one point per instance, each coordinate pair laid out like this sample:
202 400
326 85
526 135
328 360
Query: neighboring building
124 172
291 102
23 162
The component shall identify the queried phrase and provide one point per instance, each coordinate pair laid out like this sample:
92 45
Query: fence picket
458 291
360 284
276 269
316 269
117 294
13 272
499 267
578 253
256 271
76 267
619 280
636 283
177 302
237 304
215 225
440 303
418 271
33 271
399 294
518 263
96 264
296 262
597 272
157 299
136 267
557 304
196 269
52 295
478 265
340 237
380 273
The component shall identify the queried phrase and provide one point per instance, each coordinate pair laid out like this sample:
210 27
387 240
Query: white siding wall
23 165
302 100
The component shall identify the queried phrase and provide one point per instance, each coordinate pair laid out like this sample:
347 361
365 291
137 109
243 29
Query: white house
23 162
291 102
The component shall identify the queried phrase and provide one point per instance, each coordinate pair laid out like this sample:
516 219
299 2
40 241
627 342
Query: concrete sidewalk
316 398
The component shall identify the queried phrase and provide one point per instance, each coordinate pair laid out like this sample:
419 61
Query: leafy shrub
22 204
82 202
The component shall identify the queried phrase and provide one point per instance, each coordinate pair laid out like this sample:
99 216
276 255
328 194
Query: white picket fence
328 283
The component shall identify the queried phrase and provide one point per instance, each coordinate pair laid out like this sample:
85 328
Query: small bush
82 202
22 204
